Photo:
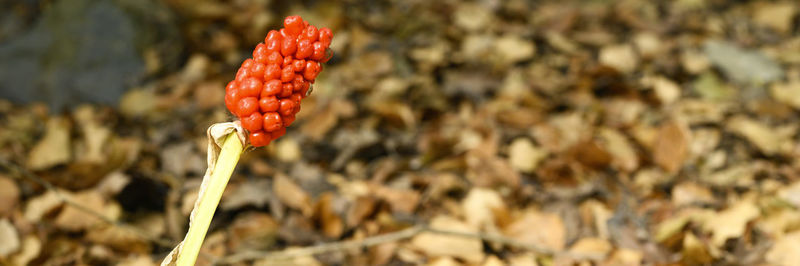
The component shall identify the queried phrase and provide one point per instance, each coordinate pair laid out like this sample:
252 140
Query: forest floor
441 133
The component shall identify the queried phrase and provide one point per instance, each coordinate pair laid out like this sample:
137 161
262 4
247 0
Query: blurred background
574 132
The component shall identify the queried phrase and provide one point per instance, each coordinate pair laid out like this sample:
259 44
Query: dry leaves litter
440 133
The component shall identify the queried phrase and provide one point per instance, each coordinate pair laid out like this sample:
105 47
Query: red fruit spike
252 122
260 53
311 71
319 51
325 36
298 65
278 133
271 88
246 106
272 72
293 24
260 138
275 58
257 70
287 74
288 46
268 104
272 121
305 48
287 90
251 87
288 120
287 107
310 33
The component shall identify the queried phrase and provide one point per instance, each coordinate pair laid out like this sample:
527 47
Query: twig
377 240
21 171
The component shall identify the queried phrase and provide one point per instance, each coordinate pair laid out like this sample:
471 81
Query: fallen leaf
694 251
31 247
400 200
528 229
787 93
775 15
672 145
330 221
688 193
41 205
443 261
291 194
741 65
769 140
731 222
624 257
524 155
72 218
9 238
511 49
252 230
9 195
621 57
255 192
784 252
287 150
435 245
623 153
525 259
591 248
480 206
54 148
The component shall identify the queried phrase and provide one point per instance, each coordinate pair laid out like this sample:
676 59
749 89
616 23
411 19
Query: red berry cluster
268 88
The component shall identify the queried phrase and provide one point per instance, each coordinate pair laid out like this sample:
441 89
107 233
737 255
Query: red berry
272 121
287 74
275 58
260 138
288 46
272 72
305 48
243 73
252 122
296 97
310 33
287 107
319 51
246 106
293 24
231 85
260 53
325 36
268 104
288 120
278 133
311 71
251 87
287 90
273 87
287 61
298 65
257 70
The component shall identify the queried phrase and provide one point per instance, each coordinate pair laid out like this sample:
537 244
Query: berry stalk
208 201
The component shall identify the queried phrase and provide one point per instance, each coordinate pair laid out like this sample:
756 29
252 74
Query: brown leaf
469 249
784 252
9 238
330 221
528 229
672 145
291 194
74 219
252 230
54 148
9 195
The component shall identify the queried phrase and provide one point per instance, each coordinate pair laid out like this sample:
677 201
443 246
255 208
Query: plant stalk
207 205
